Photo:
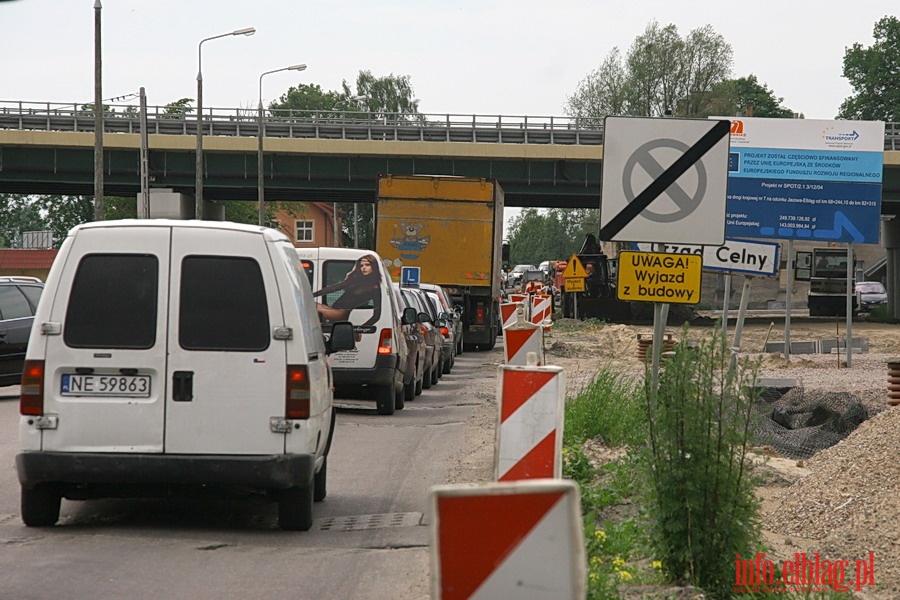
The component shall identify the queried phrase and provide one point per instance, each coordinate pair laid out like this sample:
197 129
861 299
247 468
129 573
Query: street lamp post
198 193
261 194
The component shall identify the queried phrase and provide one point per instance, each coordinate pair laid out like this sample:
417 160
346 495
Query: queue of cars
174 356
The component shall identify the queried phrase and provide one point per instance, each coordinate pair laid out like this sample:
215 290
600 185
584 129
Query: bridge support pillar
890 239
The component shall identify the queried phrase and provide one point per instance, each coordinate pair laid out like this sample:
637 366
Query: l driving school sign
659 277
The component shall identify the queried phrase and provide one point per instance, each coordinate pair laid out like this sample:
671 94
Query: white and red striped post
508 313
519 540
522 337
531 412
541 310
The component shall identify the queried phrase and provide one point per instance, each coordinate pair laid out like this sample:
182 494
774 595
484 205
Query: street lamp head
244 31
300 67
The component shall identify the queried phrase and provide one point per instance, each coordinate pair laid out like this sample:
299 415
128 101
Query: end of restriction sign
659 277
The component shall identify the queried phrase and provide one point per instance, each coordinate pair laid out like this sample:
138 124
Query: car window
222 305
306 305
871 288
113 302
13 303
33 293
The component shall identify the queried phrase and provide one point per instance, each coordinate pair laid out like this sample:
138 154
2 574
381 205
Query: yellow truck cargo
449 227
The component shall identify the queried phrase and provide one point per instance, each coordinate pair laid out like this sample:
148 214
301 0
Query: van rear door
226 371
106 358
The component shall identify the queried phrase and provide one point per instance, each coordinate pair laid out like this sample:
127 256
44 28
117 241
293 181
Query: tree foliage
375 97
555 234
745 96
661 74
874 73
18 214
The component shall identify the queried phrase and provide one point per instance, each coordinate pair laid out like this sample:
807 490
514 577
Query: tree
65 212
307 97
662 73
536 236
744 96
389 96
18 214
873 73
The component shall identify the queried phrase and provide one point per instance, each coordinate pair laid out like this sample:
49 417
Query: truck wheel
40 505
295 506
320 483
384 399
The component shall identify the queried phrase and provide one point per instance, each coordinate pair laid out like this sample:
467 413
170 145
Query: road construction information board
659 277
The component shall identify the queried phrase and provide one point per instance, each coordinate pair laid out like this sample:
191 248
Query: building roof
26 259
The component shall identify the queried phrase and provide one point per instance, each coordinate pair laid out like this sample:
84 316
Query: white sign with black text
735 256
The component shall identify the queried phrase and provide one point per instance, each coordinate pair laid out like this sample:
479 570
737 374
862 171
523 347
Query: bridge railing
318 124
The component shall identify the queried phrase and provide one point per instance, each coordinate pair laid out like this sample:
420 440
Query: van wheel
426 379
295 506
435 373
40 506
448 364
399 398
419 383
409 389
384 399
320 489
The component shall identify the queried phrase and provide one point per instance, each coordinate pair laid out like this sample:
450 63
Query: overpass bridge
48 148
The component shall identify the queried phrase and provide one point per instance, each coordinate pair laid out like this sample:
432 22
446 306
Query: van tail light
479 314
296 401
31 400
445 332
423 330
385 343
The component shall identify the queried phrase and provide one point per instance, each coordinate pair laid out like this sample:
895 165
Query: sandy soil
796 494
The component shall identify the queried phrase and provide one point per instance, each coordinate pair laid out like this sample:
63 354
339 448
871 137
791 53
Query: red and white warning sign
508 313
540 309
531 406
519 540
519 339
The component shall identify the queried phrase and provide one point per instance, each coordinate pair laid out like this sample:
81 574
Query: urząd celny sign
806 179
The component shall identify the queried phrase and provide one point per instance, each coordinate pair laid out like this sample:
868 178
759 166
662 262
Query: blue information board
811 180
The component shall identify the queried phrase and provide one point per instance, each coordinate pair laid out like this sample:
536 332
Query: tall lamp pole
261 194
99 211
198 194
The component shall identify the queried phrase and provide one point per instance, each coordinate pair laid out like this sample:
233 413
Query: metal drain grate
362 522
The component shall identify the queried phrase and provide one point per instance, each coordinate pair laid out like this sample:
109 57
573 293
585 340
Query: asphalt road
369 539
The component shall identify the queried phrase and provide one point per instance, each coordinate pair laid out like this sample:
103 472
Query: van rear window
222 305
113 302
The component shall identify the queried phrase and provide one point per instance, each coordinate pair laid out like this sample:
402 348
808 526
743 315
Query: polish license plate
132 386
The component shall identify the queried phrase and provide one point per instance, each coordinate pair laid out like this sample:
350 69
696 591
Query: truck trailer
450 228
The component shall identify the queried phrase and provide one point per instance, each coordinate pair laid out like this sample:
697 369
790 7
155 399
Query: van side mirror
342 338
424 317
409 316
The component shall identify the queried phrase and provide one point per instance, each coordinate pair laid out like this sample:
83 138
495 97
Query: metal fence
318 124
339 124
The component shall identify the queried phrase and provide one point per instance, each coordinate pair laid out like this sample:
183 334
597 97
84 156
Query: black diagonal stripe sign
692 155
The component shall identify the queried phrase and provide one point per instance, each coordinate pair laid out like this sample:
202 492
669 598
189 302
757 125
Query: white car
515 276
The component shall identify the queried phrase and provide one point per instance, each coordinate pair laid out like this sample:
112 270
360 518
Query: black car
18 300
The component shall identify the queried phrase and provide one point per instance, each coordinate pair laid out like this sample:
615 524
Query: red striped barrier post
520 540
531 406
520 338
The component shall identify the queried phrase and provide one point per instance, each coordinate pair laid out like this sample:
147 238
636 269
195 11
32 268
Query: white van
176 356
353 284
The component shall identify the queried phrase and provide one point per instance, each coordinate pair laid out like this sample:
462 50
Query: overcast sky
502 57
